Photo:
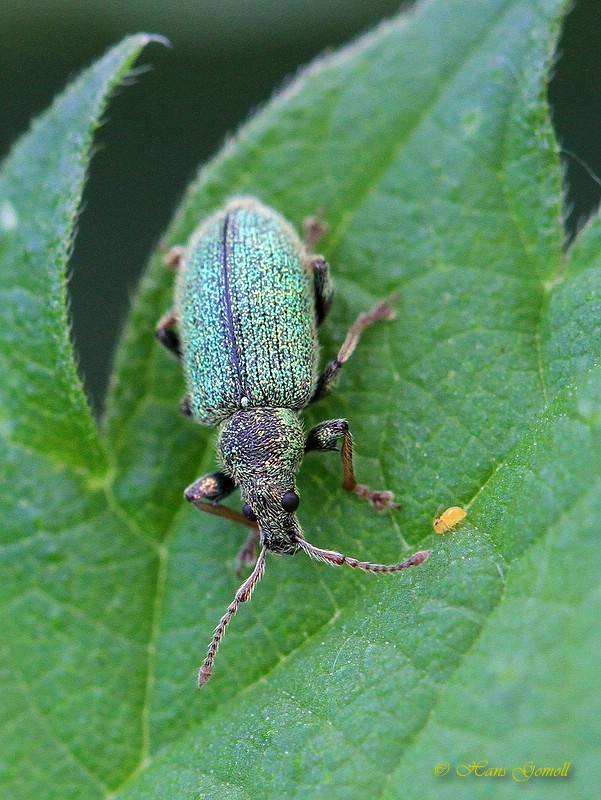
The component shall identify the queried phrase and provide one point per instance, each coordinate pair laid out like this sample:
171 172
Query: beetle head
261 448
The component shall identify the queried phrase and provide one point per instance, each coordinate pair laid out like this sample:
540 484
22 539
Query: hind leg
327 379
166 334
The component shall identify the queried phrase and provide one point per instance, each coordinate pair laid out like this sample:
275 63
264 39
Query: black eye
290 502
249 513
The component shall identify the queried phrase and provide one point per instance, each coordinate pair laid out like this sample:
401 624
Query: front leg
207 493
324 437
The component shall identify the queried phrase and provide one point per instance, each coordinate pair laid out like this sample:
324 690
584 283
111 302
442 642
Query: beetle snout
280 530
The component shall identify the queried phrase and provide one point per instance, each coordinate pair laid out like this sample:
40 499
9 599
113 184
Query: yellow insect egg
448 519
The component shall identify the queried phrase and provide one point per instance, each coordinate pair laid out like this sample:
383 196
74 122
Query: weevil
249 298
448 519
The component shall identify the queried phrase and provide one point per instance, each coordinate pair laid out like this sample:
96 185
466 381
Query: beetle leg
211 488
324 288
325 382
324 437
314 228
207 492
167 336
175 257
185 407
247 555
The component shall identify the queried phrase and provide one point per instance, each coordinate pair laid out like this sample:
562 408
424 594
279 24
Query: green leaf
428 145
75 576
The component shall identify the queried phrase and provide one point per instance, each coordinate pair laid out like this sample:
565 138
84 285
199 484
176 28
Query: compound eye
290 502
249 513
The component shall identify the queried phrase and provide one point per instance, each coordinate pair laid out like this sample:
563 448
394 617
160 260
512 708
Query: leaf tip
149 38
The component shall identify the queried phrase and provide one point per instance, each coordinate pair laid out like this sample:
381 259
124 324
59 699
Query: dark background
227 58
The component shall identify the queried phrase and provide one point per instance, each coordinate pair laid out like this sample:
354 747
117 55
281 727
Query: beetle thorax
261 448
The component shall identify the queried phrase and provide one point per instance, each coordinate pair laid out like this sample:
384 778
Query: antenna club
419 558
203 675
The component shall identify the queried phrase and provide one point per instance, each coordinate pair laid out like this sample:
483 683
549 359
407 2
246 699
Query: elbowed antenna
337 559
243 594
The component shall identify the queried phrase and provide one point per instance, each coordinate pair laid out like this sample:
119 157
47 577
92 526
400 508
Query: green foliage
429 146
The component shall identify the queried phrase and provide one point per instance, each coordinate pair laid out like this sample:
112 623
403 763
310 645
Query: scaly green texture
429 146
245 304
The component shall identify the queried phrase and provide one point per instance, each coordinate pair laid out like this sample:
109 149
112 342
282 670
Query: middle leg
324 437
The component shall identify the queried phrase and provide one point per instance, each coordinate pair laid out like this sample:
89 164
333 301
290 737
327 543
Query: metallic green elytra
245 305
249 298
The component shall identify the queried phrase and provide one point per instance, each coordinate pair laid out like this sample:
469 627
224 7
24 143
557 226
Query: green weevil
249 298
